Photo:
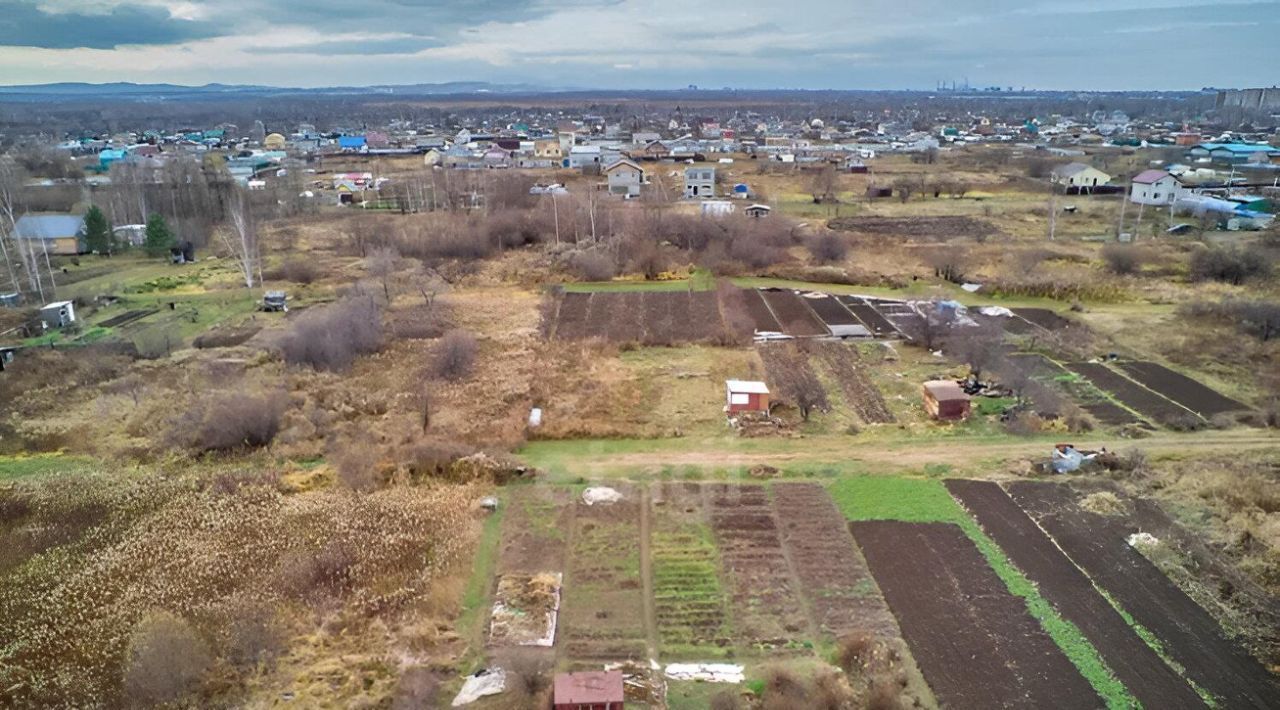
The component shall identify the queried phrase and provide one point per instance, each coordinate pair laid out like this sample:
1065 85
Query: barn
945 401
746 396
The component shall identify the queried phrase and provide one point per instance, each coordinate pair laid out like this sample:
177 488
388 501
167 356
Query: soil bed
795 317
1181 389
1190 636
1045 318
760 313
831 311
870 317
850 372
1133 395
975 642
928 228
766 607
1149 678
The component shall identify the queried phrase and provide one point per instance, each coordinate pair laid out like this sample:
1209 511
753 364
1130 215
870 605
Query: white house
1156 187
699 182
584 156
1079 175
625 178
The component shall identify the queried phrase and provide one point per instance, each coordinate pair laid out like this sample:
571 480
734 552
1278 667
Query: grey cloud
397 45
23 24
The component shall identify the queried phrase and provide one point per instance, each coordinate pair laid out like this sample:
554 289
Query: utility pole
1124 204
1053 210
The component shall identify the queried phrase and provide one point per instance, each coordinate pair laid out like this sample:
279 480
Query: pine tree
159 239
97 231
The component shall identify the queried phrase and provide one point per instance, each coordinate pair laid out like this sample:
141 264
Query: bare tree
382 264
10 185
242 239
979 347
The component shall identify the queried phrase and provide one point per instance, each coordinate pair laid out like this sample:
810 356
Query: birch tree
241 240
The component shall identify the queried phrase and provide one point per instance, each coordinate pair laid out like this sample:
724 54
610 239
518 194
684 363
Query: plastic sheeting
489 681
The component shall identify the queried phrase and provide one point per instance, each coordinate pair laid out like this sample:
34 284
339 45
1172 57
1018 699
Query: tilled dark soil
760 313
870 317
1149 678
795 317
975 642
1181 389
1190 636
1045 318
831 311
1132 395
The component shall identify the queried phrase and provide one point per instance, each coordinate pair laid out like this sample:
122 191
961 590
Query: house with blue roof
1233 152
58 234
111 155
352 143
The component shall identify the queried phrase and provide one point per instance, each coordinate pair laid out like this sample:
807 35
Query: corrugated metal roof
746 386
48 226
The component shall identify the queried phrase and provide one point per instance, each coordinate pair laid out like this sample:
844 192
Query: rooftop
589 687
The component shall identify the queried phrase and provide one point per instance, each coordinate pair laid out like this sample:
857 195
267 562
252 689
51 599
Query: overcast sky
843 44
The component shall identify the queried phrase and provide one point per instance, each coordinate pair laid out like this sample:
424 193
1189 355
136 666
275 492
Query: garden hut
746 396
945 400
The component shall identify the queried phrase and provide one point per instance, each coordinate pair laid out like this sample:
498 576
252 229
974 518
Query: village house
1078 175
624 178
1156 187
655 150
699 182
57 234
547 149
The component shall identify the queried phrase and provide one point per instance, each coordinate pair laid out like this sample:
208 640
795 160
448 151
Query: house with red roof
1156 187
589 690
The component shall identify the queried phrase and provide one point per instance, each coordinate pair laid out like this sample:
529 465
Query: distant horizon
981 88
808 45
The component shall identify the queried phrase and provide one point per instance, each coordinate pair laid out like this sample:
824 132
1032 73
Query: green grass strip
475 597
927 501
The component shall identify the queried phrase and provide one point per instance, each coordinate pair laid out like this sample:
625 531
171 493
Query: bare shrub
948 263
1123 259
331 337
726 700
783 690
355 460
455 355
230 420
592 266
856 651
225 337
299 270
328 571
827 247
531 675
417 688
166 660
255 635
1232 265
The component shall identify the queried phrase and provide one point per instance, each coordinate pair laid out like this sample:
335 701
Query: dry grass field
222 507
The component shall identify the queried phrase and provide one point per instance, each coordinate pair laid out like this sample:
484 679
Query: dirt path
720 453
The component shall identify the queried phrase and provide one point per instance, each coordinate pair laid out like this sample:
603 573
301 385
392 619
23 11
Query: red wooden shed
945 400
745 396
589 690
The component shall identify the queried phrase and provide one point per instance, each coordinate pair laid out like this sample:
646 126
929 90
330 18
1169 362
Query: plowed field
1151 681
974 641
1188 634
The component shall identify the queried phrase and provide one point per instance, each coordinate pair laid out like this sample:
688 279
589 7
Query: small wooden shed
746 396
945 400
589 690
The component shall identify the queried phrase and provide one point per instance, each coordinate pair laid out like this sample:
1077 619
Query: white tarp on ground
995 311
1142 539
710 672
489 681
600 494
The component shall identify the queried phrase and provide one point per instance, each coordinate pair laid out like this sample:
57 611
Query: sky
656 44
